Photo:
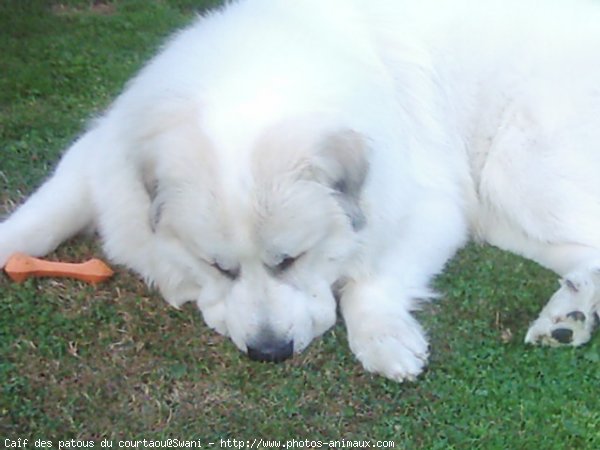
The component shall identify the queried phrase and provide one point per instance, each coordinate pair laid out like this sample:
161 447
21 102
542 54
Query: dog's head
260 236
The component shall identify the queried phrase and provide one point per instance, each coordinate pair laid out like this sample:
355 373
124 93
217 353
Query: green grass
116 362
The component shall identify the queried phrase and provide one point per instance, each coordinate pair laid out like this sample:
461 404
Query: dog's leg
571 315
377 307
382 332
539 198
59 209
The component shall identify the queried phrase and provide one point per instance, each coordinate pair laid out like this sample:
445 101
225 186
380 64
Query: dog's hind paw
570 316
574 328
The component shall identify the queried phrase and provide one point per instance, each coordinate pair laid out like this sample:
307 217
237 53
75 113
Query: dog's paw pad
562 335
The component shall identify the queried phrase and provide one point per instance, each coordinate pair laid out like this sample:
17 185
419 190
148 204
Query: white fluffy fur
367 139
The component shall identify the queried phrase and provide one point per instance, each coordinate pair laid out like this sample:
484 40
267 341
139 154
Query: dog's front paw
395 349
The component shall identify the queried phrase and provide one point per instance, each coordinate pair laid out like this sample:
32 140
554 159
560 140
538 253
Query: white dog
278 154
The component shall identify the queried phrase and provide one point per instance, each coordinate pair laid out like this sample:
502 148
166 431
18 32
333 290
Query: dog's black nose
271 351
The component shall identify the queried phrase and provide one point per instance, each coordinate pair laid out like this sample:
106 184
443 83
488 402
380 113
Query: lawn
115 362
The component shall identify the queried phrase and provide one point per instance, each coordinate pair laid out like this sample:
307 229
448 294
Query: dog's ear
342 164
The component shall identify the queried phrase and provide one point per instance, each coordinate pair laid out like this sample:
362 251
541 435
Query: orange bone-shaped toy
20 267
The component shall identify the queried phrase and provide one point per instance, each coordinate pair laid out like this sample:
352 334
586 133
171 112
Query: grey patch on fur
354 213
154 214
572 286
152 189
346 154
577 316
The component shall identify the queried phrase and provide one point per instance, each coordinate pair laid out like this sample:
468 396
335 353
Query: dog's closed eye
231 274
286 263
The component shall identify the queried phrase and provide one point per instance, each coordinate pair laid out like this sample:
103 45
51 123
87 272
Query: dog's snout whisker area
272 351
